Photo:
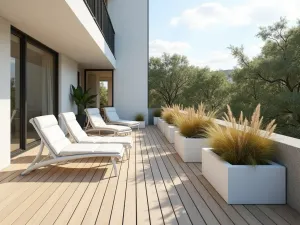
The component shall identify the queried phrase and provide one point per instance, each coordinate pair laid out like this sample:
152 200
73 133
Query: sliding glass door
15 93
34 77
39 86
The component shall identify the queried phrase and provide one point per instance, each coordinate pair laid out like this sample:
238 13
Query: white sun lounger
79 136
97 123
113 118
61 149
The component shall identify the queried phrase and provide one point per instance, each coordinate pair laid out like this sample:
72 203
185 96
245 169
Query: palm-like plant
82 98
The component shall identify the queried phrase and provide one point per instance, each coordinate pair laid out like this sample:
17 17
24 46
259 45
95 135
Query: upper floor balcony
98 10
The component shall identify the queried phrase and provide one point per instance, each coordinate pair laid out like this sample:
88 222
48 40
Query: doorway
34 85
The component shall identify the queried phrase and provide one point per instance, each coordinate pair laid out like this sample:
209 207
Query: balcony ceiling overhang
66 26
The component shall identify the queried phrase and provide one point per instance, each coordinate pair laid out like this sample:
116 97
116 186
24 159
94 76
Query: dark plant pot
81 120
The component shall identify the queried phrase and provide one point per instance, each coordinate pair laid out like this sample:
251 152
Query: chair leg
36 160
115 166
126 152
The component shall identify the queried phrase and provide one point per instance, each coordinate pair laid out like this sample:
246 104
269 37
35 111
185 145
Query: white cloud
256 12
157 47
215 60
223 59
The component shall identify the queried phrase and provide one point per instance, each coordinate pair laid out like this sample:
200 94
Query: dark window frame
112 74
24 39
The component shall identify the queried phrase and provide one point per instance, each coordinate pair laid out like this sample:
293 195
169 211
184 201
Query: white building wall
130 21
68 69
4 93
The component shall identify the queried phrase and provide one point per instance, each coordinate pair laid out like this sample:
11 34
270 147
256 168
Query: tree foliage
271 79
173 81
168 76
103 93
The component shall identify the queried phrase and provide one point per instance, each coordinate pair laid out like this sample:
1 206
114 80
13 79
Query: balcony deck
153 187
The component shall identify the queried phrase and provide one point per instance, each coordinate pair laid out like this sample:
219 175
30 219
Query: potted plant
140 118
82 99
156 116
167 117
239 164
169 126
191 137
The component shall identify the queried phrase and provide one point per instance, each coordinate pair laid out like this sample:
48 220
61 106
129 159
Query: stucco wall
67 77
131 51
4 93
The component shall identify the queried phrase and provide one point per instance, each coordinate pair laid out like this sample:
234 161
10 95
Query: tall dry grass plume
168 113
243 142
193 123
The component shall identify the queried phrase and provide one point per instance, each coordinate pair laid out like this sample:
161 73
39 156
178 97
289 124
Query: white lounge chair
113 118
97 123
79 136
61 149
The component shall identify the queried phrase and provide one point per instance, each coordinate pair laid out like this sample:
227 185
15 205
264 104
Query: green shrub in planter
139 117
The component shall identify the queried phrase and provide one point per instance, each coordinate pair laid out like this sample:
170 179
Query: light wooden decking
153 187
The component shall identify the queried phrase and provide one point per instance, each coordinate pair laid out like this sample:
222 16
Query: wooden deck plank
40 213
263 218
86 199
286 213
271 214
18 164
178 179
26 210
55 211
155 213
94 207
181 191
143 216
108 200
153 187
160 178
116 217
129 214
186 172
70 207
12 202
247 215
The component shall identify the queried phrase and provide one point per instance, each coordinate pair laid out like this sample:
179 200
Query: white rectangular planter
243 184
159 123
162 126
155 120
142 124
190 149
170 132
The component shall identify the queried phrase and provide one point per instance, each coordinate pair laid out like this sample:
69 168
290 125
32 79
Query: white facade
4 93
130 21
67 76
68 28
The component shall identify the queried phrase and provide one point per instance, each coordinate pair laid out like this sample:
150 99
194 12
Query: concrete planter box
190 149
159 122
155 120
243 184
161 125
170 132
142 124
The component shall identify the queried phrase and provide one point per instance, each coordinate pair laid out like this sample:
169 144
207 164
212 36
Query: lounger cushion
115 128
83 149
48 128
126 141
128 123
95 117
111 114
73 126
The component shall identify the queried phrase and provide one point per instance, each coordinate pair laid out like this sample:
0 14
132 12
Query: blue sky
203 29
